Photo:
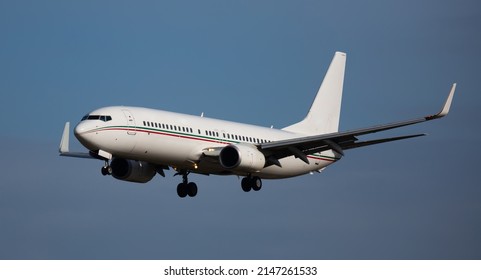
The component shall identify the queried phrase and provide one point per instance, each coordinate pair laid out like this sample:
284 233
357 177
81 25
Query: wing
340 141
64 145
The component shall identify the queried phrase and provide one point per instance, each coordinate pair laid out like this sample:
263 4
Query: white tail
323 116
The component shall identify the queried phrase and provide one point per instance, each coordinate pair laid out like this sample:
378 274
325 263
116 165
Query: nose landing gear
106 169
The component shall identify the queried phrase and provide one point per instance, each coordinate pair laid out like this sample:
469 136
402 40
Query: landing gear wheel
182 190
256 183
106 170
246 185
191 189
251 183
185 188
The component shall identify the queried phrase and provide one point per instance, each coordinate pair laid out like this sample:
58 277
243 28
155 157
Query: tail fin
323 117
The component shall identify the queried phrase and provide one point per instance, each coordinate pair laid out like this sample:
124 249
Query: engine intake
242 157
132 170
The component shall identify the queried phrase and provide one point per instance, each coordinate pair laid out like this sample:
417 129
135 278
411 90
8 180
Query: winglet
447 105
64 143
64 146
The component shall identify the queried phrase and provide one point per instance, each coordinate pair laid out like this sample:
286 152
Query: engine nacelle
132 170
242 157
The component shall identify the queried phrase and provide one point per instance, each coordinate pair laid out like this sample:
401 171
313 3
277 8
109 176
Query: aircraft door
130 122
129 141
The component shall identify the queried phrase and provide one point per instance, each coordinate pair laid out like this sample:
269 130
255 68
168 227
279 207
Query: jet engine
242 157
132 170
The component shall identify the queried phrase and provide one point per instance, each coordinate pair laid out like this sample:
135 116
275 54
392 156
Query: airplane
138 143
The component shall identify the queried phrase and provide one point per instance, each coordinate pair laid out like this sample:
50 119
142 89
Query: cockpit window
97 117
105 118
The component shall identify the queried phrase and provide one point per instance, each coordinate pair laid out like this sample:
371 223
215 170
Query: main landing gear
190 189
185 188
251 183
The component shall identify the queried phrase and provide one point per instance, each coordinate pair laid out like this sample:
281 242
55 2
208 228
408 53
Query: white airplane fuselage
178 140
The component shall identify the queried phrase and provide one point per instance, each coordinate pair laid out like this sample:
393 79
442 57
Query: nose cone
83 132
79 130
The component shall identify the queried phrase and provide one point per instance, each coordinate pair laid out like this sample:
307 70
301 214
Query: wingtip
447 105
64 142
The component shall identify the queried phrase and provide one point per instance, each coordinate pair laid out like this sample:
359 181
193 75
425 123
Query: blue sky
258 62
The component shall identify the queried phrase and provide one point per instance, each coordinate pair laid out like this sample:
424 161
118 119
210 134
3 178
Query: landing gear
251 183
189 189
106 169
185 188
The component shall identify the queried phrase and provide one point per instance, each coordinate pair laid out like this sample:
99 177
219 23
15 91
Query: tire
192 189
104 171
256 183
245 184
182 190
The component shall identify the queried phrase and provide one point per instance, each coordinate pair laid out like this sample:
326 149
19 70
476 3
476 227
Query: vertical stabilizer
323 116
